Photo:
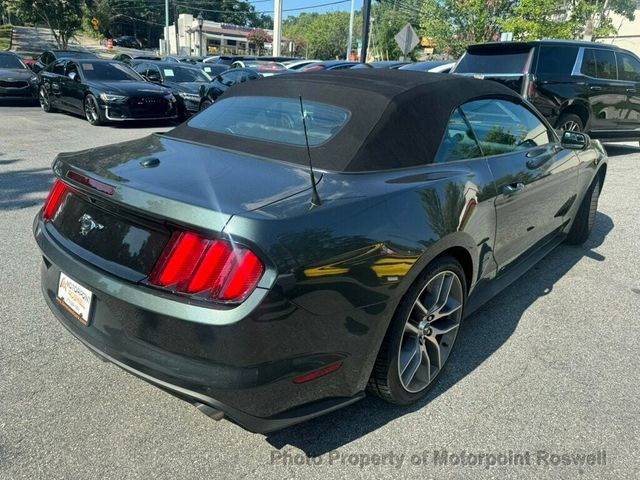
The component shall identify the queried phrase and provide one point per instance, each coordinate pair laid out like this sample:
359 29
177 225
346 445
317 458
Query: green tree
323 36
389 18
63 17
535 19
455 24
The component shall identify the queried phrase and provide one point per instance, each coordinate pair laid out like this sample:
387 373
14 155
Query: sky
295 7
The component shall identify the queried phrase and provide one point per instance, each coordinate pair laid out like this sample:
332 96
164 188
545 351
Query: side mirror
575 140
74 76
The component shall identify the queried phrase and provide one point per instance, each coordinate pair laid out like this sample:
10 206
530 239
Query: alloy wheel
91 110
430 331
570 126
43 96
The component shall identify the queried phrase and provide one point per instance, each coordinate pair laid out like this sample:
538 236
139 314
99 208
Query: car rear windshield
10 61
182 74
109 71
272 119
507 61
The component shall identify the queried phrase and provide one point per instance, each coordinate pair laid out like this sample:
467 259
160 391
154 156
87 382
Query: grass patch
5 36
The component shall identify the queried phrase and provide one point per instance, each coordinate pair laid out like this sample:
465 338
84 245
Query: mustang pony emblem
87 224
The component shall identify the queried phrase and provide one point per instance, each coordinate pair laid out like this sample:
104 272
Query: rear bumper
240 361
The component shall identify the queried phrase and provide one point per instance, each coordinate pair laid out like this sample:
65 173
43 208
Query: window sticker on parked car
87 66
168 72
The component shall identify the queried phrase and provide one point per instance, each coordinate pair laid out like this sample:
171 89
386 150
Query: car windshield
178 74
265 65
272 119
11 61
492 61
109 71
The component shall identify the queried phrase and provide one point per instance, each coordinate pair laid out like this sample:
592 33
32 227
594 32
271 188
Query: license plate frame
76 299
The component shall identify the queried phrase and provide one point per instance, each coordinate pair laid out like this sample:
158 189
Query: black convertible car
16 79
212 261
103 91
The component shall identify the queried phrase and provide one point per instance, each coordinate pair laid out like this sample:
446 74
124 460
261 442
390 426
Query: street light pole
200 19
366 18
277 28
351 18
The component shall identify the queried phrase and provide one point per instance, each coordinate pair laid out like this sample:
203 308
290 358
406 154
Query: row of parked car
579 86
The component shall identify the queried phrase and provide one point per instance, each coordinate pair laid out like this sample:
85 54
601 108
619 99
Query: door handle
631 90
595 88
513 188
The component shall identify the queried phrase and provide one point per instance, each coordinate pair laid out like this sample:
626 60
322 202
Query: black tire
586 215
570 121
92 110
385 380
44 100
205 104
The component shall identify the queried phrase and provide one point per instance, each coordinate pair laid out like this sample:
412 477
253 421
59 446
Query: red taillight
54 199
194 264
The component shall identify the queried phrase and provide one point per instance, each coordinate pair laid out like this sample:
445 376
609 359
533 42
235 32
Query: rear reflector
307 377
216 269
54 199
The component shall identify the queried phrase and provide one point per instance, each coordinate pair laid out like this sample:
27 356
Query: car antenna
315 198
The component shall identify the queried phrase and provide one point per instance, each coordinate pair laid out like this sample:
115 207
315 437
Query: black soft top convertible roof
398 118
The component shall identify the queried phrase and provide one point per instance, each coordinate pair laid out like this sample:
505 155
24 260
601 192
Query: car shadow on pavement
23 188
481 335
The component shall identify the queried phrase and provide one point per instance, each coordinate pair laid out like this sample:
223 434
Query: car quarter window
459 142
501 126
628 67
599 63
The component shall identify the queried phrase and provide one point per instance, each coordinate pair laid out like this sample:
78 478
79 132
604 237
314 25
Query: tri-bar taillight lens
56 195
215 269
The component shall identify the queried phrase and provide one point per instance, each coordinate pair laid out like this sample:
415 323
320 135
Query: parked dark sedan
103 91
212 261
392 64
16 79
224 82
50 56
183 80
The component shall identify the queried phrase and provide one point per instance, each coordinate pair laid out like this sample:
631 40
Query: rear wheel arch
582 111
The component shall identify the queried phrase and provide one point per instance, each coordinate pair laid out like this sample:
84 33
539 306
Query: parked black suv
583 86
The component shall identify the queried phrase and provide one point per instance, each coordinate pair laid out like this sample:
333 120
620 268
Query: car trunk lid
126 199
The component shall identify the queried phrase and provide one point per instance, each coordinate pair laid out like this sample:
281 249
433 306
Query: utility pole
351 18
366 17
277 28
166 13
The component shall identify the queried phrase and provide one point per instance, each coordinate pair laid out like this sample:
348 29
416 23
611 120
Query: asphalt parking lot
550 367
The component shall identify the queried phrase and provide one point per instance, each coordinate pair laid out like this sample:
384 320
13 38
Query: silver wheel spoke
423 310
444 326
413 363
450 307
411 328
432 344
427 360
